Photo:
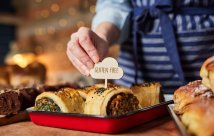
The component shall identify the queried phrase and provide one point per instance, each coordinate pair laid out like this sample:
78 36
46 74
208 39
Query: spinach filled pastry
66 100
111 101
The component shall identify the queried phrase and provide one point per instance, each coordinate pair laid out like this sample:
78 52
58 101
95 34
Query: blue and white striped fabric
195 43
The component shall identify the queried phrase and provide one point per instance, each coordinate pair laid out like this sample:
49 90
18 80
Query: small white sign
107 69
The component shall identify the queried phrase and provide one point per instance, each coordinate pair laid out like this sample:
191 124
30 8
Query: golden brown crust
194 104
148 94
199 118
98 98
68 99
209 64
185 95
207 73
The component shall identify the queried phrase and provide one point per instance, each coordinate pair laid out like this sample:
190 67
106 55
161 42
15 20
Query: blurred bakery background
33 40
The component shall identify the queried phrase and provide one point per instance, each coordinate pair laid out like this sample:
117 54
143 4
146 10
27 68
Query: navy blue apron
143 21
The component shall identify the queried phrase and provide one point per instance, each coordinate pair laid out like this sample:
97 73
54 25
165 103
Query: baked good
199 118
148 94
57 87
34 73
4 76
14 100
10 102
110 101
66 100
190 93
207 73
194 104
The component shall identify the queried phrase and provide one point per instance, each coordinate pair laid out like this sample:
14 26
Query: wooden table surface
161 127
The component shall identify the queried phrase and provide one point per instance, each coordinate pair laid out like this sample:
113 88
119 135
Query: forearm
108 31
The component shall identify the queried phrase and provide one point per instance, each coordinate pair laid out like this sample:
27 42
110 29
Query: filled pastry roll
110 101
148 94
66 100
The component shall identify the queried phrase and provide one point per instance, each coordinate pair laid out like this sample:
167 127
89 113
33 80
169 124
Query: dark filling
46 104
122 104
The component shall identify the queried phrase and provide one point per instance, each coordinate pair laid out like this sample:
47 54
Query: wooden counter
160 127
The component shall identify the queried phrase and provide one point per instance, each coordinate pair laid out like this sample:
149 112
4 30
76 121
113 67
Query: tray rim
31 110
177 121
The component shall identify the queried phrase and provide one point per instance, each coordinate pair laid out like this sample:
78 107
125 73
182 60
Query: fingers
86 43
80 66
77 51
82 52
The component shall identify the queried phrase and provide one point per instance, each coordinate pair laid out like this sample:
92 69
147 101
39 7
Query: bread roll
194 104
207 73
198 118
34 73
185 95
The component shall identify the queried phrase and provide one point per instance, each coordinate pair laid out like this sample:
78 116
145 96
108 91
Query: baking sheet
99 124
177 121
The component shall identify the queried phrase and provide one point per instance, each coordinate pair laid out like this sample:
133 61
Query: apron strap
142 17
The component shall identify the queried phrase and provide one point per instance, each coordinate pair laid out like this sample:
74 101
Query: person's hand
86 48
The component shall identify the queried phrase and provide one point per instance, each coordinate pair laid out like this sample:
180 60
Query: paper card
107 69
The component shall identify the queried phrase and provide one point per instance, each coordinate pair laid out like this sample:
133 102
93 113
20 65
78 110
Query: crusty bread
207 73
199 118
185 95
194 104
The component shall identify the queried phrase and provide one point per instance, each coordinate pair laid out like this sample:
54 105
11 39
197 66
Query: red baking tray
99 124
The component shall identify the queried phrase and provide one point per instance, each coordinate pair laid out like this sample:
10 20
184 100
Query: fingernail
87 73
